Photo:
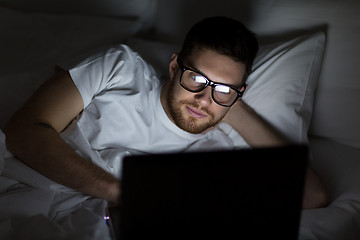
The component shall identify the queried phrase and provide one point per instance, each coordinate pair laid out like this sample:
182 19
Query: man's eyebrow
197 71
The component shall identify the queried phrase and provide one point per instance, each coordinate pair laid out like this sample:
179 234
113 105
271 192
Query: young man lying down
82 121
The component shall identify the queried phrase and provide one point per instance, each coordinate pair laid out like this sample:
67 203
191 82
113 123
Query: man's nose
204 97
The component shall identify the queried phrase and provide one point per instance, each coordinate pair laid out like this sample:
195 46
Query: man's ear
173 66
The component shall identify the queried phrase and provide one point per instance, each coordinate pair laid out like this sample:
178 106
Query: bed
308 55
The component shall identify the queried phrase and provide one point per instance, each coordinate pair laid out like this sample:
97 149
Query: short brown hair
225 36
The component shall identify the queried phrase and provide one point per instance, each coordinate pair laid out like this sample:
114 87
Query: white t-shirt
123 114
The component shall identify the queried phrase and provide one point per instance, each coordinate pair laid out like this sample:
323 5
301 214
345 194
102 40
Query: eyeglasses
194 81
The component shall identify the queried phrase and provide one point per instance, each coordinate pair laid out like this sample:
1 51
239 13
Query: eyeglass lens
195 82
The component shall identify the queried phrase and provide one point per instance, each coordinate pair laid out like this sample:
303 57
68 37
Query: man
79 124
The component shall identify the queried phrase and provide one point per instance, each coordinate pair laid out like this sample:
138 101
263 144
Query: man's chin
195 126
192 124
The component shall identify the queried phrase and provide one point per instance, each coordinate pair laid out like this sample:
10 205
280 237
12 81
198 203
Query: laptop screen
255 193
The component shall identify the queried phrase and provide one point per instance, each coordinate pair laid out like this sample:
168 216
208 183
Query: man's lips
195 112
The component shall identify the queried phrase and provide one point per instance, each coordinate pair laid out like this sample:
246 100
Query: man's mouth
195 112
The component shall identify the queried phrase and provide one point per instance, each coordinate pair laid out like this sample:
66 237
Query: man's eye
200 79
222 89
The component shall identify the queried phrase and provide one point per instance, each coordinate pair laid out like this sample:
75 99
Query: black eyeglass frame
210 83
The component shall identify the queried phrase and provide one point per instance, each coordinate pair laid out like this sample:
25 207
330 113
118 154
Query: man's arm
32 134
259 133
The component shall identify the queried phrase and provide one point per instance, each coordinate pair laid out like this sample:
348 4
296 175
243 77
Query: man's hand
252 127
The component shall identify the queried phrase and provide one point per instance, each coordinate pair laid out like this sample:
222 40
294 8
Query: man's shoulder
112 53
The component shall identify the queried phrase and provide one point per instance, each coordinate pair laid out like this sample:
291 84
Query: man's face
197 112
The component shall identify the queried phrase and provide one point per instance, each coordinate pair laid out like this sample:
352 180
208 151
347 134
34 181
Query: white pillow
282 86
157 53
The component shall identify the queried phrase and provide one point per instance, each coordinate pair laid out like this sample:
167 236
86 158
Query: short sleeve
113 67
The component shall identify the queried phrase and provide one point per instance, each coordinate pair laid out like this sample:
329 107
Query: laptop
238 194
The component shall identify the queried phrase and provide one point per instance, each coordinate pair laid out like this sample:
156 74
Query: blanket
35 207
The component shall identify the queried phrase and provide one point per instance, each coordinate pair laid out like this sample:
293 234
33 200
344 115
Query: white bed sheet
339 167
